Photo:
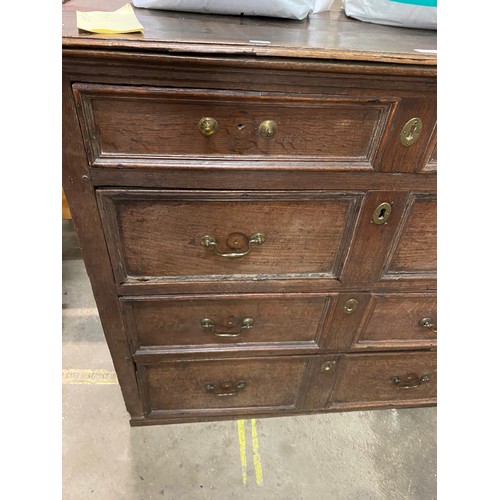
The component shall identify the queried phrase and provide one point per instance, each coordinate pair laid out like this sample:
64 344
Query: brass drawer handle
208 126
411 381
427 323
225 388
234 241
268 129
209 324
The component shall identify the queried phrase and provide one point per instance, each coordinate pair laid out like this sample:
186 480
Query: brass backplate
268 129
411 131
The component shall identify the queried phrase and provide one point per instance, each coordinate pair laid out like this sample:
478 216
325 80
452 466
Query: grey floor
383 454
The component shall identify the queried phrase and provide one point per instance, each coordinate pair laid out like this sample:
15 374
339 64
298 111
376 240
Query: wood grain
392 321
144 187
370 377
181 385
214 34
277 320
415 251
155 234
87 222
137 123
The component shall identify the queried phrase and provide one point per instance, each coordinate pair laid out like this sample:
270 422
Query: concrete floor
383 454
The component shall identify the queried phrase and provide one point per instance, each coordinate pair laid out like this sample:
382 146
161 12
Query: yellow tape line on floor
243 450
91 377
256 456
255 449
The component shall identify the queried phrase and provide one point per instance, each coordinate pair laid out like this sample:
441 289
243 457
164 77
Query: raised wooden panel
146 189
130 124
372 242
393 321
415 252
429 165
185 385
396 157
372 378
157 235
276 321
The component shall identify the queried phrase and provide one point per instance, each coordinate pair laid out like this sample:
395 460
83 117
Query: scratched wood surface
316 37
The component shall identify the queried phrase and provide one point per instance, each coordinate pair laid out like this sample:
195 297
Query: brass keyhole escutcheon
328 366
268 129
350 306
208 126
382 213
411 131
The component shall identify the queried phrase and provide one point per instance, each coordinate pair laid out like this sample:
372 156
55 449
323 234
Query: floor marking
89 377
256 456
243 450
78 312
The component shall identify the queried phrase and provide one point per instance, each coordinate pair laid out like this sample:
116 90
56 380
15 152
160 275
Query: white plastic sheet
403 13
290 9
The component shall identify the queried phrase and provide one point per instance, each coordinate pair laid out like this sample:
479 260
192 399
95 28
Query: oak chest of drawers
258 220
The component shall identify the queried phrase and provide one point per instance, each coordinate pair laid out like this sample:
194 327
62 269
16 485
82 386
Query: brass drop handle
225 389
209 325
208 126
234 241
410 381
427 323
268 129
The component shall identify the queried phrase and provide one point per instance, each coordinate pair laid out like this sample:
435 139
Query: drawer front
243 321
146 123
414 254
161 235
386 378
222 384
394 321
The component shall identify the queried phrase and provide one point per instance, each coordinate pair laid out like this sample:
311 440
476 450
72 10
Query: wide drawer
220 322
211 385
172 235
127 124
386 379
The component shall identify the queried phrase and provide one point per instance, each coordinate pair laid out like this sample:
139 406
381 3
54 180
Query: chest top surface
328 35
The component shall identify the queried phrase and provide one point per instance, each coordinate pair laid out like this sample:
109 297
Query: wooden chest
256 205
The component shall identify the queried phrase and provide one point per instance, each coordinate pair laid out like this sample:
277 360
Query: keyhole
382 213
411 132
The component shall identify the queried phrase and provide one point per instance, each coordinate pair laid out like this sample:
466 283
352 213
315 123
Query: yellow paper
122 20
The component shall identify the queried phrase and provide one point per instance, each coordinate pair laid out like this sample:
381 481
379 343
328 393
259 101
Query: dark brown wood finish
145 186
385 378
395 321
328 35
129 124
83 205
414 253
276 321
158 234
182 385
